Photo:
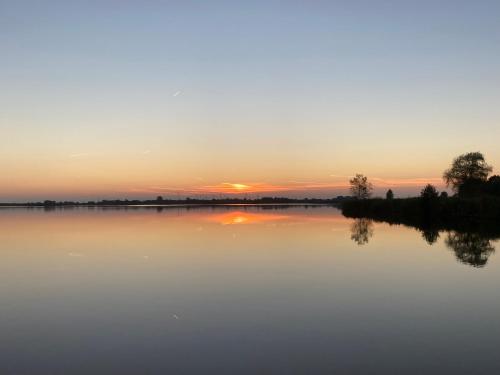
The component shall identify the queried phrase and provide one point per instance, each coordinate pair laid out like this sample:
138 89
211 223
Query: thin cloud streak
79 155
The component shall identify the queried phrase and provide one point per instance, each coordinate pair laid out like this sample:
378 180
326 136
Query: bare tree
360 187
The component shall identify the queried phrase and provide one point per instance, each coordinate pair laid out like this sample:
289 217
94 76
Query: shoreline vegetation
471 217
476 198
480 214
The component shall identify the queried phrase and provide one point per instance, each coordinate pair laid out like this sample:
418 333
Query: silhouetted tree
467 174
429 200
159 198
470 248
443 195
361 231
429 192
360 187
389 195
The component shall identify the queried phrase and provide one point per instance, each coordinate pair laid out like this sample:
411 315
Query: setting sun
240 187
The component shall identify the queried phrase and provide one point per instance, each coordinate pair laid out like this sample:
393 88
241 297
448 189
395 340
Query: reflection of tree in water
470 248
361 231
430 235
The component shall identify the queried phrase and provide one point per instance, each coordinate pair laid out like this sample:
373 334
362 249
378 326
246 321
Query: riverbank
453 213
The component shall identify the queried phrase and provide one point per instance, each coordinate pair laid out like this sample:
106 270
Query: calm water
241 290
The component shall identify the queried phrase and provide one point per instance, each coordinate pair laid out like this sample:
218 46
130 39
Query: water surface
242 290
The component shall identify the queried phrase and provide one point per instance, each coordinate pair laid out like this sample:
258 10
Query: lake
242 290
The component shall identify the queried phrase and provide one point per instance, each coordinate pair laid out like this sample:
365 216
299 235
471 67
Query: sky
134 99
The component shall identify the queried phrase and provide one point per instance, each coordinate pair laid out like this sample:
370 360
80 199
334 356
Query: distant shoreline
169 205
181 203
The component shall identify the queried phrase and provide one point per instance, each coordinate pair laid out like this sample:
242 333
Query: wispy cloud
419 181
79 155
340 176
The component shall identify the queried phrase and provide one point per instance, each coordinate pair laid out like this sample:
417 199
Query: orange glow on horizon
240 187
97 188
308 188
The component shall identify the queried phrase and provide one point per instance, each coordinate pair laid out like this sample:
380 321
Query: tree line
467 177
474 203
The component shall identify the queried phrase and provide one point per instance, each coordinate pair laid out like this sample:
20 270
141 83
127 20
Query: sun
239 187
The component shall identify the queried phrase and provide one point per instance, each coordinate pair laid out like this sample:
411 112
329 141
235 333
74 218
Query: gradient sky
128 98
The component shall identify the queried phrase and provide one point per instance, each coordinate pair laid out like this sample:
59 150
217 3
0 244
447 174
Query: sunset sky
134 99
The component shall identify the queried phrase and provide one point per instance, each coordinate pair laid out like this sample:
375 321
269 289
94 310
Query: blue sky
186 94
